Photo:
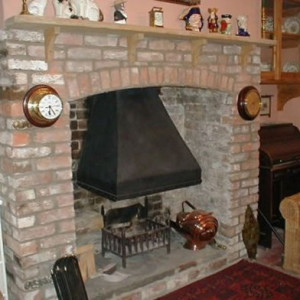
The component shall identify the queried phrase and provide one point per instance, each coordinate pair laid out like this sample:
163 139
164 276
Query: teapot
197 226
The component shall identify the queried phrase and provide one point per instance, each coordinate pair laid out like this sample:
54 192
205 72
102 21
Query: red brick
105 80
53 163
56 215
21 249
20 139
54 189
70 39
85 83
125 77
12 109
41 257
36 232
15 167
144 76
66 226
52 136
57 240
65 200
134 75
115 79
33 179
34 207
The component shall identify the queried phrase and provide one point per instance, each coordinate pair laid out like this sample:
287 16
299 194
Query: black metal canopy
132 148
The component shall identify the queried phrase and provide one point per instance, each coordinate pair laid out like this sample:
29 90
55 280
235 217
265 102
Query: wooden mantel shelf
52 26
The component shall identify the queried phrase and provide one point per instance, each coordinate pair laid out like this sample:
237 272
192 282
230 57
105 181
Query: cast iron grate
142 236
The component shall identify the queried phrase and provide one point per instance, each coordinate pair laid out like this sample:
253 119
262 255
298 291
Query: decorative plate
290 67
292 25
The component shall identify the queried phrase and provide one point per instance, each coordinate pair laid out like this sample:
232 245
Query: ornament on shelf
213 20
37 7
120 16
156 17
64 9
25 10
226 25
88 9
77 9
242 26
193 18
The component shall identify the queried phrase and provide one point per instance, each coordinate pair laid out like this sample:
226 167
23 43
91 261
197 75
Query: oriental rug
242 281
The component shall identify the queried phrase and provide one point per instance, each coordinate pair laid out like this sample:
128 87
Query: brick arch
131 77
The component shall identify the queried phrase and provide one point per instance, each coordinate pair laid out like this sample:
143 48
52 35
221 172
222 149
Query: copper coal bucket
198 227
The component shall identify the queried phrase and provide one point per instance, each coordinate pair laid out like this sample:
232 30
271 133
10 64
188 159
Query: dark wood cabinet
279 175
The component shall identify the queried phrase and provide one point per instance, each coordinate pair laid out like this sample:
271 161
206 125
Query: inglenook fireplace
199 75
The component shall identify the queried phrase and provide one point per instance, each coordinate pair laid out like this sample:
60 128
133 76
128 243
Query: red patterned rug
242 281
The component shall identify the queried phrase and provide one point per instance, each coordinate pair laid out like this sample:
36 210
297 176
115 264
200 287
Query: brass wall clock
42 105
249 103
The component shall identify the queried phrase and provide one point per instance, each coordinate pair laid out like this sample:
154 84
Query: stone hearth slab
153 267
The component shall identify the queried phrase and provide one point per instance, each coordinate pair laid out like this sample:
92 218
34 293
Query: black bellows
132 148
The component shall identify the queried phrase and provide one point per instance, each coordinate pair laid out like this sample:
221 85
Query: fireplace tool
198 227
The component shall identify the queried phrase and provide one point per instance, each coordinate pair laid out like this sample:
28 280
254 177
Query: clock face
42 105
252 104
50 106
158 18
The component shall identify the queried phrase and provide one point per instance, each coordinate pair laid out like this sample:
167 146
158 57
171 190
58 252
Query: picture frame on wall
266 105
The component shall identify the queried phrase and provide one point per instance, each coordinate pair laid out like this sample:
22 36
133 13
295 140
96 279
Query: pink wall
290 112
138 11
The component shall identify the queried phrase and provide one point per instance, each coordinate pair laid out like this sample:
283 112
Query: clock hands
50 110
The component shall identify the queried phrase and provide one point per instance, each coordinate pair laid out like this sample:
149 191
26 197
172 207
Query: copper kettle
198 227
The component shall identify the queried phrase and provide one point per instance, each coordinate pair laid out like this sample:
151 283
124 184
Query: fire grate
143 236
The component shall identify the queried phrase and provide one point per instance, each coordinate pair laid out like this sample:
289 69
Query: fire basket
135 237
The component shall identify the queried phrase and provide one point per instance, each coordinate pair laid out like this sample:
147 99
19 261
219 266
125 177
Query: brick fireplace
200 80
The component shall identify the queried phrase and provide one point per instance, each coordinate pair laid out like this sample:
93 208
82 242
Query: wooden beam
285 93
50 35
132 41
196 50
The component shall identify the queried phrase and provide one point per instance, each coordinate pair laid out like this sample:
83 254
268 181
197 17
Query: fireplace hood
132 148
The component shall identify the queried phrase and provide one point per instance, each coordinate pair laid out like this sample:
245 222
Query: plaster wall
138 14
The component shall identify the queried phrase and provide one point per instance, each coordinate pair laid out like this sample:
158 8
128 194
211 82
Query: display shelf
52 26
286 82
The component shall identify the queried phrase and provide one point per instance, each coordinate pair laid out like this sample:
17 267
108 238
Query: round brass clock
42 105
249 103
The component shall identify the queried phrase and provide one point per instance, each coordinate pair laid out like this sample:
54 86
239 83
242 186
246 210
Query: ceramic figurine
37 7
120 15
193 18
88 9
226 25
213 20
64 8
250 233
25 10
242 26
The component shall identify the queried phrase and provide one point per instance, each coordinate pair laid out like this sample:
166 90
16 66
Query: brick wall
36 164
